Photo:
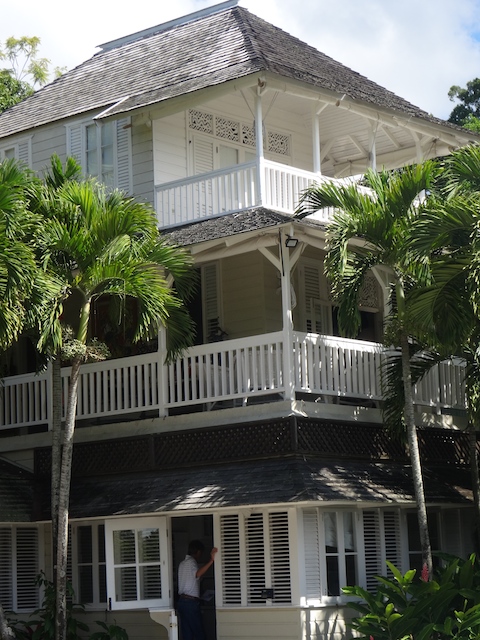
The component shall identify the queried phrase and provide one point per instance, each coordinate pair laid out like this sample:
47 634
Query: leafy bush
405 608
42 626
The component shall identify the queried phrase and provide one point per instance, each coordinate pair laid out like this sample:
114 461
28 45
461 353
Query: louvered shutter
255 560
211 311
280 557
372 548
24 152
124 155
75 143
6 568
318 315
202 155
391 532
27 568
231 560
312 554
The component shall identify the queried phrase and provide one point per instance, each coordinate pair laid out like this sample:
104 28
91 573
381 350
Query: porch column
317 160
259 146
162 381
288 363
372 150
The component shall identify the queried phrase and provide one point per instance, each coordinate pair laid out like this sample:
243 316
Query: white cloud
416 48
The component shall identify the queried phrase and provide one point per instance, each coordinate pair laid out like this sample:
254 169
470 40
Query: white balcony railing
269 184
211 374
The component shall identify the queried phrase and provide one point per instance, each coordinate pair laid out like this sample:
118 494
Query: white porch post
288 364
162 381
259 147
372 149
317 158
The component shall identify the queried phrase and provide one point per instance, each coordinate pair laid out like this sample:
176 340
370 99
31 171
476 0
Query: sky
415 48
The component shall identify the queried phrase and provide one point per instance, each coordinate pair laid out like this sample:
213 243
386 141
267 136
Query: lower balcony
224 374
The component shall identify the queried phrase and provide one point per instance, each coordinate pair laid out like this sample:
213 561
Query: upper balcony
258 183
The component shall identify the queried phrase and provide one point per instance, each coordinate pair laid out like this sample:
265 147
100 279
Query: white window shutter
6 569
231 559
372 547
24 152
27 568
124 156
393 547
312 554
75 143
202 155
255 560
280 557
211 311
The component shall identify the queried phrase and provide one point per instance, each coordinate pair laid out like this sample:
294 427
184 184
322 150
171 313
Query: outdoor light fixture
291 242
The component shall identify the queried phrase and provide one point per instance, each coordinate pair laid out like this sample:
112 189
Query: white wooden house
266 437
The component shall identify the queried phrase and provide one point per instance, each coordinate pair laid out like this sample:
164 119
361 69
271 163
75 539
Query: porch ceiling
275 481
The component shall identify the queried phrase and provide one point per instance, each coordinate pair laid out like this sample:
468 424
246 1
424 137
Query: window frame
137 524
96 563
22 150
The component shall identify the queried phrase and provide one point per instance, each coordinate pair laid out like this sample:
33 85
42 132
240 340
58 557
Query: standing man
189 574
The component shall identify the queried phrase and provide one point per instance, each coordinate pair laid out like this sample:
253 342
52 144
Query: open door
184 530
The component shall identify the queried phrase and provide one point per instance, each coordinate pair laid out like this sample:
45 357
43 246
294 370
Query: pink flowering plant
407 608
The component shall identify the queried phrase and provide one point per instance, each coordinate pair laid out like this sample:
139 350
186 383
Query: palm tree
448 310
372 229
93 243
17 260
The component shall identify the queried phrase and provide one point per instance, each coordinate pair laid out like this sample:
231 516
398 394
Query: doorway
184 530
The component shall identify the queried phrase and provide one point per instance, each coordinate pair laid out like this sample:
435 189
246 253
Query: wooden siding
243 295
170 151
258 624
45 142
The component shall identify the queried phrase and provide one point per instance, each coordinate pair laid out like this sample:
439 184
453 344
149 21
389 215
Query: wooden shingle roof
179 59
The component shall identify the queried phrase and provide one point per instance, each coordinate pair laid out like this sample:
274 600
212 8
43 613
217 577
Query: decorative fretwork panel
201 121
369 295
278 143
227 129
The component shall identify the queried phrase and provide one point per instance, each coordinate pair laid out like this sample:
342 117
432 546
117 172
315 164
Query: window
255 558
88 566
19 567
344 548
20 150
137 571
104 151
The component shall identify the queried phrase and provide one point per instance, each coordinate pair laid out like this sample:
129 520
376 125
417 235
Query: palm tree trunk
414 453
56 453
63 503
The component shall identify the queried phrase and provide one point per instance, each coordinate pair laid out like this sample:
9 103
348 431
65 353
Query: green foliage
110 632
25 70
405 608
42 627
469 102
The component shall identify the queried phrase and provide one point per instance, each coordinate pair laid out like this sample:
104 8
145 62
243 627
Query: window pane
85 584
84 544
333 579
125 584
124 547
331 545
107 134
351 570
149 545
92 164
101 543
102 583
348 531
9 153
150 583
228 156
